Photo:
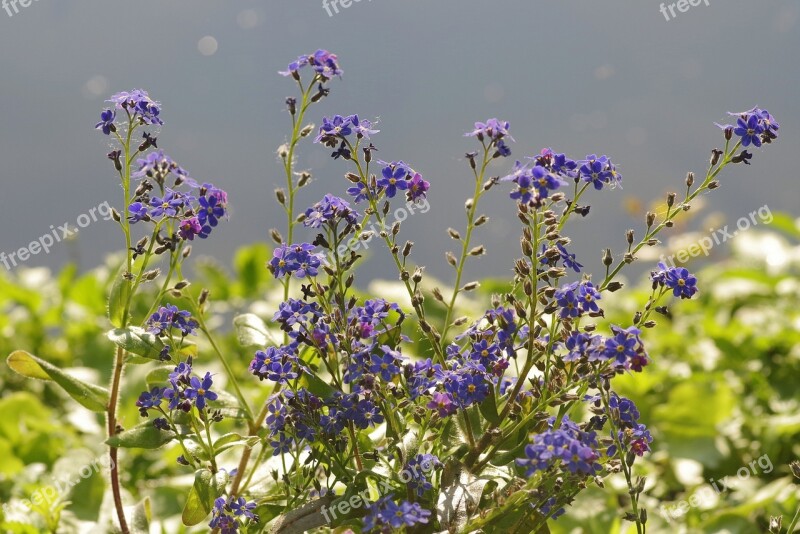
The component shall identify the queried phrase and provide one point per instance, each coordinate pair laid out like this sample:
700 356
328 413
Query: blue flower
545 181
150 400
567 445
749 129
525 188
200 391
297 259
385 515
393 178
227 514
384 366
682 283
106 123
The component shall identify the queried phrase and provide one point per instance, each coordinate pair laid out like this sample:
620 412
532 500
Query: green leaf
228 441
142 436
489 408
251 330
140 518
137 341
89 396
207 487
118 298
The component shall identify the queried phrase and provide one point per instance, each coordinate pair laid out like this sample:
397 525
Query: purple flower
442 403
200 391
139 105
189 228
417 188
168 205
106 123
297 259
138 212
330 209
168 317
493 129
157 166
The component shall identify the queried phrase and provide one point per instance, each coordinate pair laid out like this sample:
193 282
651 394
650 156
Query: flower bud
651 218
453 234
306 131
280 194
670 199
608 259
629 236
471 286
690 179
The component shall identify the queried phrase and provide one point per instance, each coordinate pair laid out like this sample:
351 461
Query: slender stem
228 371
237 480
466 242
710 175
112 430
794 521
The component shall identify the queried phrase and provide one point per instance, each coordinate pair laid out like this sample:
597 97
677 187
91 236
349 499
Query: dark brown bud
454 234
608 259
690 179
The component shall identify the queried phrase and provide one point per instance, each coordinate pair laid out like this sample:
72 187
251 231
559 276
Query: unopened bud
690 179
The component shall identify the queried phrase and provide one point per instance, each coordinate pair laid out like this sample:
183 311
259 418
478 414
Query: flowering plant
494 422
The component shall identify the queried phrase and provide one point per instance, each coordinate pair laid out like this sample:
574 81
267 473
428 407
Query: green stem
479 176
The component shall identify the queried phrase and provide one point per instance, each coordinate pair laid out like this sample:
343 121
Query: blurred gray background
610 77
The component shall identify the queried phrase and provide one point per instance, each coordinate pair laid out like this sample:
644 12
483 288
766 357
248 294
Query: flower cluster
754 127
277 364
496 132
397 176
184 391
338 129
599 171
299 260
568 446
299 416
632 436
228 514
576 299
168 317
385 515
678 279
330 210
416 470
324 64
624 349
137 104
